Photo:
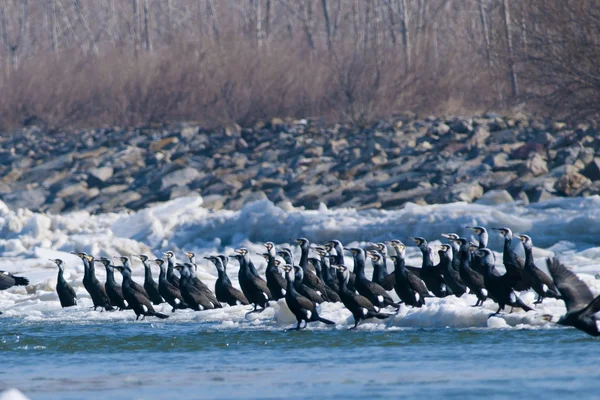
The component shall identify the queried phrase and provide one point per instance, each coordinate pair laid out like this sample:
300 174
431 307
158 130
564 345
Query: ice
12 394
568 228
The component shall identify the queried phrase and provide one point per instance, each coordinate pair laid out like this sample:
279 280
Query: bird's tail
521 304
109 308
317 317
20 281
160 315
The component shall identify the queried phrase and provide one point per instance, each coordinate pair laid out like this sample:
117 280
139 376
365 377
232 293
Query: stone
540 194
571 182
477 140
536 165
98 176
461 126
181 177
165 143
592 170
493 197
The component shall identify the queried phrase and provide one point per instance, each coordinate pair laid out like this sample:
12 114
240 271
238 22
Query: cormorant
371 290
330 294
140 304
472 279
453 237
498 288
198 284
451 276
482 235
167 290
93 285
301 286
193 297
338 259
540 282
515 267
254 287
310 278
304 309
581 304
431 275
150 284
381 275
275 281
328 279
171 277
224 290
65 292
113 290
360 307
8 280
134 285
409 288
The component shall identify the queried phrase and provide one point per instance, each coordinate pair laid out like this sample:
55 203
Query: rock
522 197
536 165
98 176
477 140
165 143
189 132
461 126
467 192
337 146
592 170
493 197
181 177
496 161
540 194
571 182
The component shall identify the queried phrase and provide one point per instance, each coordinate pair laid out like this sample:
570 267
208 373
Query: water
153 360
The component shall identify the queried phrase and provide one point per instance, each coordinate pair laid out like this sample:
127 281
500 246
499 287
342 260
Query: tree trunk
509 45
212 12
405 33
83 22
169 21
327 23
53 26
258 23
486 34
147 39
136 27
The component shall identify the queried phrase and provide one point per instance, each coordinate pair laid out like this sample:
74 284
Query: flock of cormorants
464 267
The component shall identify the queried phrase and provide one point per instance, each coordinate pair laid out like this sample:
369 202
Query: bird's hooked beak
416 240
522 238
168 254
474 229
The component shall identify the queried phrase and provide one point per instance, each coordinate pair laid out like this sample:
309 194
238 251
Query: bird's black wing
261 285
305 303
70 290
576 294
363 302
236 294
389 281
415 271
6 280
417 284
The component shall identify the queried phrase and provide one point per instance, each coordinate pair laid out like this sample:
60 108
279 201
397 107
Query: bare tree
509 45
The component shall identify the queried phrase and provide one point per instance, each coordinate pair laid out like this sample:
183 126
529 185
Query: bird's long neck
291 286
426 257
359 266
483 240
110 274
86 269
61 276
399 264
325 271
464 255
339 257
147 272
304 257
528 256
169 267
162 276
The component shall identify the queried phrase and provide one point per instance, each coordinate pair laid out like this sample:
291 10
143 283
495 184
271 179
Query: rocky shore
489 158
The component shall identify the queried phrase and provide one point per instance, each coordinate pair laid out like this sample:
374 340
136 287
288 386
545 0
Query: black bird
302 308
198 284
453 237
254 287
310 278
451 276
224 290
472 279
113 290
540 282
275 282
171 277
167 290
328 279
581 304
360 307
150 284
381 275
338 259
8 280
482 235
300 282
431 275
136 286
371 290
330 294
139 303
498 288
193 297
410 289
93 285
65 292
515 267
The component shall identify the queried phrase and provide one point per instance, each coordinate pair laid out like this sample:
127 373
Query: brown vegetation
107 62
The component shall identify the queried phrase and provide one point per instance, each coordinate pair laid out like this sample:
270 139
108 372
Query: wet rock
571 182
180 177
493 197
98 176
592 170
536 165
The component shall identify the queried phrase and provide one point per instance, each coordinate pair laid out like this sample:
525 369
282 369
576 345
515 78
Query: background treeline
103 62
